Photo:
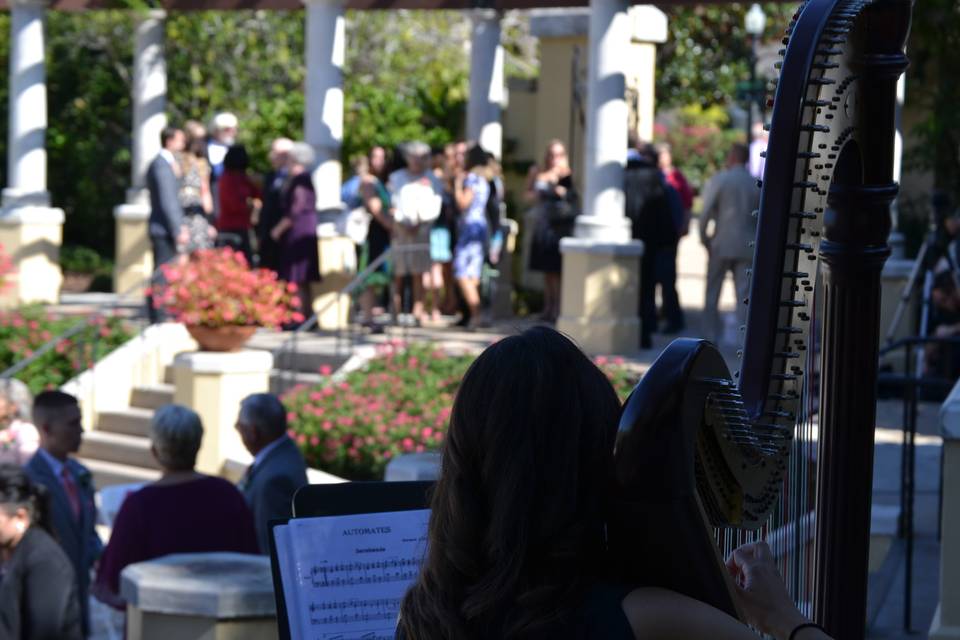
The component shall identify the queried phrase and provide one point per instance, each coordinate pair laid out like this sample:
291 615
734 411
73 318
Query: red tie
73 495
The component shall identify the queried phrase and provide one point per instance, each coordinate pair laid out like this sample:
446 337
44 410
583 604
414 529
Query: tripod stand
936 246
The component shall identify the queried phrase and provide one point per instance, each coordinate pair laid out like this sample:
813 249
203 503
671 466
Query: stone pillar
227 596
897 240
946 621
213 384
134 257
338 266
486 82
30 229
648 27
606 116
323 116
601 266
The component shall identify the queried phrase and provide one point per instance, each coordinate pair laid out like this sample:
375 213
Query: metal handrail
50 344
288 348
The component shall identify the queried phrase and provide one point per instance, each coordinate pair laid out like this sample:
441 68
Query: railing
911 383
290 348
76 329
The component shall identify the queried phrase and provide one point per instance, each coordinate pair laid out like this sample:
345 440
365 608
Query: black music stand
343 499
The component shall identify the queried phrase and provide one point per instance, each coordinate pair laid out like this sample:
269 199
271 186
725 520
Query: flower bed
23 331
400 402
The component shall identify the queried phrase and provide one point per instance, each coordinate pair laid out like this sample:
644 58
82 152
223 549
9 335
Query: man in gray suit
729 201
278 469
69 484
167 228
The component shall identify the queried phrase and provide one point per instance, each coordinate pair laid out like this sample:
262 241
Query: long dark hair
516 529
16 491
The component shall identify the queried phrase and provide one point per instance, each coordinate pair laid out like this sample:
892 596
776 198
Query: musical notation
346 576
352 574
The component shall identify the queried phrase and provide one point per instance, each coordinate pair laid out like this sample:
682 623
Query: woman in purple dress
296 233
182 512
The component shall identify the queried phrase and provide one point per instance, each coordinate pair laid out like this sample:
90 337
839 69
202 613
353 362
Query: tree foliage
933 91
708 50
405 77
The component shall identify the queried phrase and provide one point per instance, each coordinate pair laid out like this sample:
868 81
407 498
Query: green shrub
23 331
77 259
400 402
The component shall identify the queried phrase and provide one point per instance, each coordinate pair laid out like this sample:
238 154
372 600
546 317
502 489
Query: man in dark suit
167 228
73 513
278 469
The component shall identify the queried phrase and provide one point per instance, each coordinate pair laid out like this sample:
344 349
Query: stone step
168 374
107 474
132 422
118 447
151 396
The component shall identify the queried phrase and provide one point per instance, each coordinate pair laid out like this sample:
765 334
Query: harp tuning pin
755 213
746 301
759 184
751 243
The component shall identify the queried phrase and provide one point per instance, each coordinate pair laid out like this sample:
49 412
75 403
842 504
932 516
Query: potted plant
80 266
222 301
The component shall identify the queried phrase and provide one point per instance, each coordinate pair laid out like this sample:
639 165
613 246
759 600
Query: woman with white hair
19 439
296 233
182 512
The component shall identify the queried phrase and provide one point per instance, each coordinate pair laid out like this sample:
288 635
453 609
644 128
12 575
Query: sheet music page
352 572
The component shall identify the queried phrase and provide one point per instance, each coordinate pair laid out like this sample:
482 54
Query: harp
704 460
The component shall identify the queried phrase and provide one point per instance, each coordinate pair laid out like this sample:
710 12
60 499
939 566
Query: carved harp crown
704 462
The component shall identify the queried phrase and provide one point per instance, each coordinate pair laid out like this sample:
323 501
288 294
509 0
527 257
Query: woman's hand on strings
763 595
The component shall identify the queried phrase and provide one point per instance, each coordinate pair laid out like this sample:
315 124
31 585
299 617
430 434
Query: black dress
549 227
600 615
38 592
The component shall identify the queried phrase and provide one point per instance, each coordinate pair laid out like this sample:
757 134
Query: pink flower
327 425
326 370
426 432
407 444
314 441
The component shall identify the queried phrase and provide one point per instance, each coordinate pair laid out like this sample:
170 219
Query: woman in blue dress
471 191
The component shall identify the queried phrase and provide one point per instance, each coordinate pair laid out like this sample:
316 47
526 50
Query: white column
486 82
26 152
149 100
323 117
606 147
896 239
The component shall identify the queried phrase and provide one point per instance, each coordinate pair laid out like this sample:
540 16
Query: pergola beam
362 5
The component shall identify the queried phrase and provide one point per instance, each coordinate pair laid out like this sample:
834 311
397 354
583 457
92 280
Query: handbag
559 212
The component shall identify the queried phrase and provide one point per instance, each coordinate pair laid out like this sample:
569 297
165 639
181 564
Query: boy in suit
73 513
277 470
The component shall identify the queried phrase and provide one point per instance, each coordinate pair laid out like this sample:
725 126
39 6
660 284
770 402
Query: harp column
854 249
486 82
31 230
134 256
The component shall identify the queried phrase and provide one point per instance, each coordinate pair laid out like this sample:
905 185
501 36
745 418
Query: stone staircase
117 448
117 451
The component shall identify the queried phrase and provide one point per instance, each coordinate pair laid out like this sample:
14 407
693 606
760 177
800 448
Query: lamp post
753 23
